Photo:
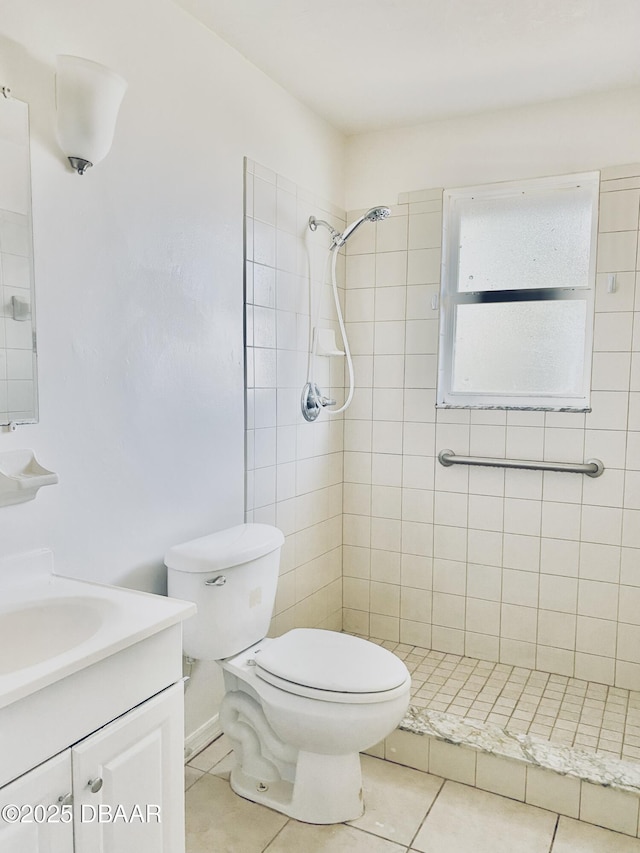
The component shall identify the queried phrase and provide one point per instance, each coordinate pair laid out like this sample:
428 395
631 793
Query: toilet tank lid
226 548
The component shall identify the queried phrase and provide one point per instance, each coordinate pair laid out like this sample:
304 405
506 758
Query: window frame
451 298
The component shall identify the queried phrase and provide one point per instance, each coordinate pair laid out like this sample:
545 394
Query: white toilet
299 708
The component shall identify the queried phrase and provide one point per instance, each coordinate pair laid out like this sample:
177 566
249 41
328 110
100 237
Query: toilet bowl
299 708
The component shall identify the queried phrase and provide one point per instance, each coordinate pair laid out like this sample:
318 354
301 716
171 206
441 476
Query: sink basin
41 630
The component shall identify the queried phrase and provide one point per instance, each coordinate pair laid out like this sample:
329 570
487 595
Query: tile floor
566 711
406 810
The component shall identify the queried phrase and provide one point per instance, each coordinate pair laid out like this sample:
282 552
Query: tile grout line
429 810
555 832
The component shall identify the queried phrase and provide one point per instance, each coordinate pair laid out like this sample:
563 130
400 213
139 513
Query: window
517 294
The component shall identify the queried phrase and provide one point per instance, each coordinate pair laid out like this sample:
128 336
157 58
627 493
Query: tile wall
521 567
294 469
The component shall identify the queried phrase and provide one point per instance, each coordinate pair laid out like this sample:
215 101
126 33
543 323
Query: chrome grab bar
592 467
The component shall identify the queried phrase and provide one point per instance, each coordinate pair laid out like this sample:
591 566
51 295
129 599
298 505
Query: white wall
553 138
139 284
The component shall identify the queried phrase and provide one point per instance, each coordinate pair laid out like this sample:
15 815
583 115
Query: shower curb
582 785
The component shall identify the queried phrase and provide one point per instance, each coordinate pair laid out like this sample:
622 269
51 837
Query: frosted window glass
533 239
520 348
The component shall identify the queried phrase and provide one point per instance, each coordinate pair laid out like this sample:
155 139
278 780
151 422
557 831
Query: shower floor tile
566 711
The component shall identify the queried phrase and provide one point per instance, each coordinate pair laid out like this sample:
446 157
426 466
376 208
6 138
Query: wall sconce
88 97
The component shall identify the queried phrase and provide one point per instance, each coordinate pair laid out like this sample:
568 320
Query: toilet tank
232 577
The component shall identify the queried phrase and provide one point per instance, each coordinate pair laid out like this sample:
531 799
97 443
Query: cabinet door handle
66 799
94 785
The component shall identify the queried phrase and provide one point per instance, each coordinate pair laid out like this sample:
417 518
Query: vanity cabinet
126 782
39 791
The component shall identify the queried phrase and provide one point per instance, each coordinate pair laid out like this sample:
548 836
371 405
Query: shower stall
512 595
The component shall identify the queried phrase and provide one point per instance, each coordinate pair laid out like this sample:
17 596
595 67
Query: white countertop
93 619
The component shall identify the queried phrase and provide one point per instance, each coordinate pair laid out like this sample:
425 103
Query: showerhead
377 213
373 215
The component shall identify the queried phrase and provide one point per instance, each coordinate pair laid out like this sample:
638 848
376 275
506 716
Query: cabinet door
128 781
41 826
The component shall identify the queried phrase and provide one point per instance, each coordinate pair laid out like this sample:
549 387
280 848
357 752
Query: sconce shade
88 97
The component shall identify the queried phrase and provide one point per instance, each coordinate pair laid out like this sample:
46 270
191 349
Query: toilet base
326 789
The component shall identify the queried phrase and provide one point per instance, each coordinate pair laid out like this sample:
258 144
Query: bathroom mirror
18 386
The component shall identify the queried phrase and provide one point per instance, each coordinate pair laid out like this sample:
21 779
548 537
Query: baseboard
201 737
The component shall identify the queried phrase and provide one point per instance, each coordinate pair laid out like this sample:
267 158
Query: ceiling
375 64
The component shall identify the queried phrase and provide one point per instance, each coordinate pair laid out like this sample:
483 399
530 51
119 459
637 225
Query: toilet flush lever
219 581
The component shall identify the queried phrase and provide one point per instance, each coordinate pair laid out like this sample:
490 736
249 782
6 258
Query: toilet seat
331 667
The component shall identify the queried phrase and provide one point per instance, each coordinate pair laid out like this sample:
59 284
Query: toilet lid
328 660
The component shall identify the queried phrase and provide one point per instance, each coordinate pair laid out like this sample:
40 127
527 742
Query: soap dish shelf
21 475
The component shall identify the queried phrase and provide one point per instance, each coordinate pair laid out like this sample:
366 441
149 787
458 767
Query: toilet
299 708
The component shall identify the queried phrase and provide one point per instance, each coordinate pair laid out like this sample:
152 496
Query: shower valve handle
325 401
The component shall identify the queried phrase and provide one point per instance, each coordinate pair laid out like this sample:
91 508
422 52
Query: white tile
214 813
619 211
449 576
602 524
501 776
613 332
561 521
408 748
322 839
449 640
422 336
390 304
556 629
487 826
392 237
558 593
522 516
613 809
485 547
597 599
417 505
389 338
415 605
360 271
450 508
451 762
520 588
482 617
594 668
609 410
485 513
521 552
391 269
448 610
484 582
574 836
552 791
600 562
417 538
519 623
611 371
425 230
596 636
450 543
423 266
622 298
559 557
518 653
551 659
396 799
616 251
629 609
